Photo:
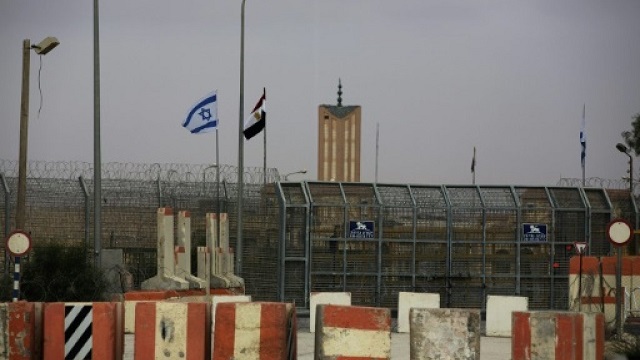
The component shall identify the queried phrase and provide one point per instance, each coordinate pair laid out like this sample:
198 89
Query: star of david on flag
203 116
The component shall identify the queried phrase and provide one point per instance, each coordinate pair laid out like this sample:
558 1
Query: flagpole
473 167
97 161
584 106
377 140
217 185
264 93
240 150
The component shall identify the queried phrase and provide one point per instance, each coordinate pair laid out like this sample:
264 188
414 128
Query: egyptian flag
258 118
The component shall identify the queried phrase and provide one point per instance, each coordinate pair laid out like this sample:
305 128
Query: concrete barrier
597 286
259 330
183 252
20 330
83 331
408 300
445 334
165 277
324 298
133 297
352 332
172 330
499 309
549 335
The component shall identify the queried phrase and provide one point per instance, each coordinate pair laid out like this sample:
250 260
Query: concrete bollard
352 332
172 330
20 330
183 252
499 309
165 278
259 330
444 334
83 331
408 300
324 298
134 297
549 335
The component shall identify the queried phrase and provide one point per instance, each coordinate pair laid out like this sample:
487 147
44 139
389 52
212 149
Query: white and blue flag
203 116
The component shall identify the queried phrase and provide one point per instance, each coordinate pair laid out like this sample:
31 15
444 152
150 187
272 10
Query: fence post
87 224
7 205
7 216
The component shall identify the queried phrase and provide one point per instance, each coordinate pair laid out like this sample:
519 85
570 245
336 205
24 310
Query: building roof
340 111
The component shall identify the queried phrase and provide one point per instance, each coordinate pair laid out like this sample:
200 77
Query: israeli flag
203 116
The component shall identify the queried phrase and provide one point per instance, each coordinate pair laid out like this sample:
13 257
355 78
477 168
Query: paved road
491 348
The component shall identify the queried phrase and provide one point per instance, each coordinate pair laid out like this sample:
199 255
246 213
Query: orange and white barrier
444 333
597 285
352 332
259 330
133 297
83 331
325 298
21 326
172 330
557 335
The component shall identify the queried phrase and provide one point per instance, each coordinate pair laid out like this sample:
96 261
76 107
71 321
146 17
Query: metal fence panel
463 242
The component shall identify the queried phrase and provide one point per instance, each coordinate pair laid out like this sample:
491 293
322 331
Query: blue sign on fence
534 232
361 229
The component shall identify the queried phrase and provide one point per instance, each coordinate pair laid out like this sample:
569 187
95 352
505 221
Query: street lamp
623 149
41 48
303 171
619 318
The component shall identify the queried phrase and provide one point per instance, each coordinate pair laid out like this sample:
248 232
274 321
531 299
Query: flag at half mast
256 122
203 115
583 139
473 161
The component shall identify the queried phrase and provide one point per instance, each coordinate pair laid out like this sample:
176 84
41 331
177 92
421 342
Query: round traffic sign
18 243
619 232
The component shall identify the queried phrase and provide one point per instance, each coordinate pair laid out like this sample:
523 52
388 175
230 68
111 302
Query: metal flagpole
97 162
264 92
240 150
583 140
377 139
218 207
473 167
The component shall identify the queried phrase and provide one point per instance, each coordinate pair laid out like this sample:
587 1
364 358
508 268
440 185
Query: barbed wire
595 182
139 171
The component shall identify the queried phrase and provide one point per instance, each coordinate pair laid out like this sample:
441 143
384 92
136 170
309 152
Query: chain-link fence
463 242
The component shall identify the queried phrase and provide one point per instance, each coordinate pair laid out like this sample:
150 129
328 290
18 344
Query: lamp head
622 148
46 45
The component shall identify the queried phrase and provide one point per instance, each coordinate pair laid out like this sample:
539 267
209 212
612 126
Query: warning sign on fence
534 232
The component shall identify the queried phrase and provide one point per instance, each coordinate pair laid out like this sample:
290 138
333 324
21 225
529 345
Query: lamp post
42 48
623 149
303 171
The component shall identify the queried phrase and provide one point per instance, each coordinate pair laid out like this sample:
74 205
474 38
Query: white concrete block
499 309
217 299
408 300
333 298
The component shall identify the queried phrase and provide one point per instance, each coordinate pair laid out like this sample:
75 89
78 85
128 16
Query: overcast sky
439 77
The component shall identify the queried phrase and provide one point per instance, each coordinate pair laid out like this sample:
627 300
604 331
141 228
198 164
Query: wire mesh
463 242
